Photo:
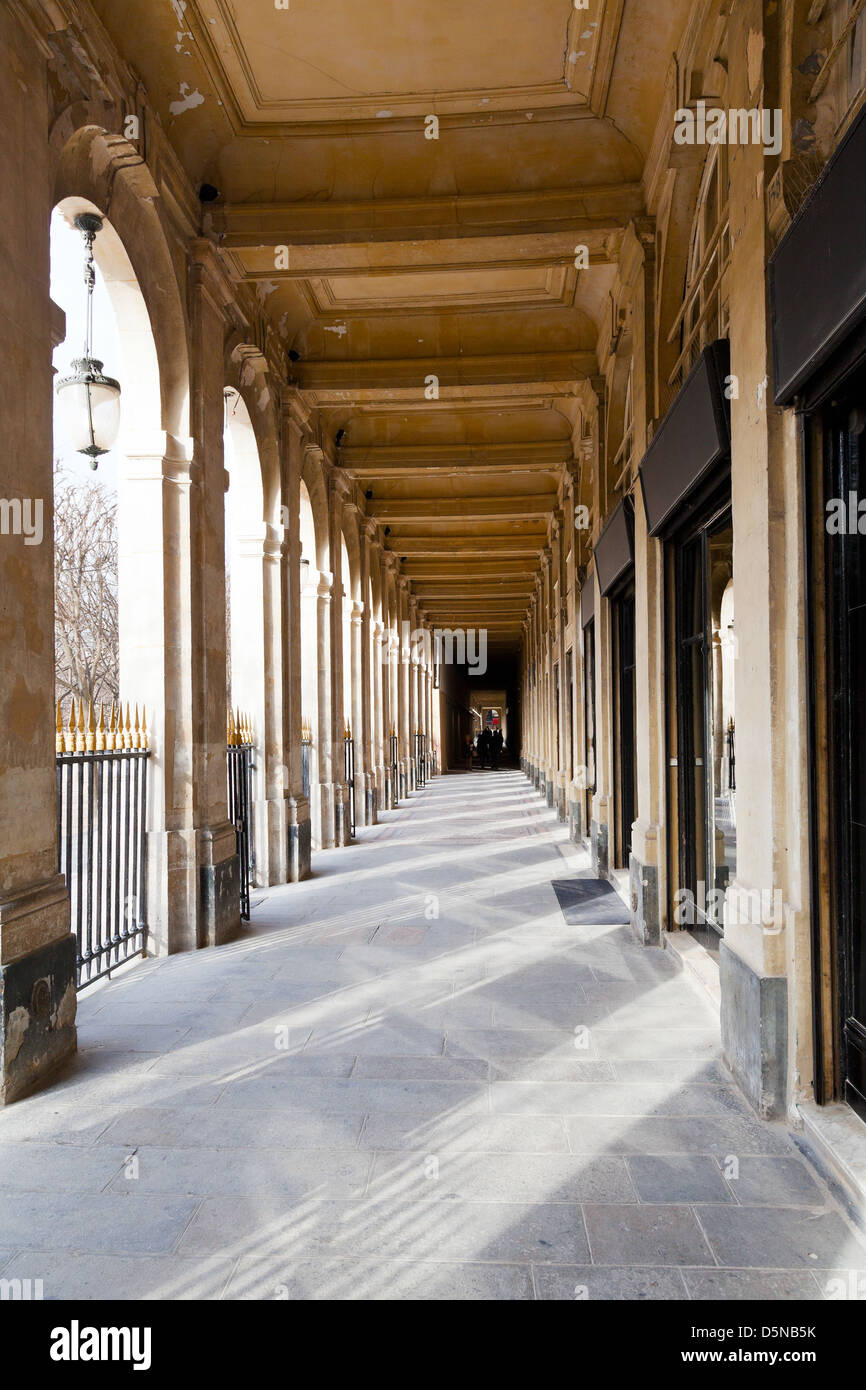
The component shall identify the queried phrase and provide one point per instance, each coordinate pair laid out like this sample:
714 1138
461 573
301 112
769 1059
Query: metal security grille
239 750
101 840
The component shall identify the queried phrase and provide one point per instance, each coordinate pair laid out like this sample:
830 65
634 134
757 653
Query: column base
37 1017
561 804
549 791
598 840
299 839
644 902
575 822
340 793
219 887
755 1031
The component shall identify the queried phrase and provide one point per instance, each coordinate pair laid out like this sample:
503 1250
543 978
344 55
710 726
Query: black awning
587 599
818 270
691 439
614 550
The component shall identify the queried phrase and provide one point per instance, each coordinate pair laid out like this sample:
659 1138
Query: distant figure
467 750
496 748
484 746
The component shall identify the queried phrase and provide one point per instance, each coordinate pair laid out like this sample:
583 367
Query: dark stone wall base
549 790
37 1017
220 902
755 1032
644 896
561 804
598 845
575 821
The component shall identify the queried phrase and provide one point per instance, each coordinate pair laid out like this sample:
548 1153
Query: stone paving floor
413 1079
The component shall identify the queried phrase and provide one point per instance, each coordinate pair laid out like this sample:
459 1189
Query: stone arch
144 270
313 477
247 371
96 171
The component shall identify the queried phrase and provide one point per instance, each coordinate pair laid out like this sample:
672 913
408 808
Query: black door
589 717
705 729
626 742
845 549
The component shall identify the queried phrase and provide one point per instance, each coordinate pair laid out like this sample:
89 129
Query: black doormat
587 902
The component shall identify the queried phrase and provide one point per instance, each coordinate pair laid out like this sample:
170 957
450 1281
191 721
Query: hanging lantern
89 401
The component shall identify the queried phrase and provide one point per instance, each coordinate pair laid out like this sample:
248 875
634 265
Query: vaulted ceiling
423 271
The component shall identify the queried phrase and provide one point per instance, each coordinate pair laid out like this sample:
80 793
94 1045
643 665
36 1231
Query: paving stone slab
56 1168
775 1182
454 1231
646 1235
784 1238
759 1286
478 1133
229 1128
114 1278
678 1178
733 1135
290 1174
474 1177
576 1283
403 1280
105 1224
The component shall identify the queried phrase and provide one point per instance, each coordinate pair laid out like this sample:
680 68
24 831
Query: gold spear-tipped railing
87 735
240 740
102 762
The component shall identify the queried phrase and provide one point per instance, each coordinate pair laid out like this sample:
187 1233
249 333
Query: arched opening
310 663
106 618
245 536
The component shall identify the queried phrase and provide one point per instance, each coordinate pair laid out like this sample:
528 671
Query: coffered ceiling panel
338 60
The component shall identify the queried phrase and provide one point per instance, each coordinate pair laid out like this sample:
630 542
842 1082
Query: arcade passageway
420 1074
490 367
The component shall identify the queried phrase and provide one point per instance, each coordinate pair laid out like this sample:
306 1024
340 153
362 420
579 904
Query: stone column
414 718
647 865
329 742
577 787
403 715
369 793
389 677
770 693
359 713
298 827
37 951
338 792
257 691
561 734
377 659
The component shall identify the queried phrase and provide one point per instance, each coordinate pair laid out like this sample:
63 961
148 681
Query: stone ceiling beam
579 212
397 460
464 508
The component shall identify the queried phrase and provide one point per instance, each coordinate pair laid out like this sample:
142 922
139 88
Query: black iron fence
101 834
420 758
395 770
306 758
349 772
239 761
